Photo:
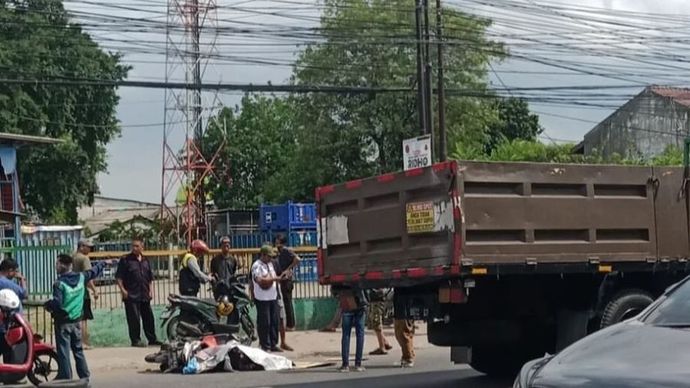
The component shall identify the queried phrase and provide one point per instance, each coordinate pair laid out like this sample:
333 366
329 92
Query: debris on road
215 353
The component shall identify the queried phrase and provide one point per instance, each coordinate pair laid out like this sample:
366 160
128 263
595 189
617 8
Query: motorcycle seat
210 302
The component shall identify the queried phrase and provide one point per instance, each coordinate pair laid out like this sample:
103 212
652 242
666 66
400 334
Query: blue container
273 217
301 216
287 217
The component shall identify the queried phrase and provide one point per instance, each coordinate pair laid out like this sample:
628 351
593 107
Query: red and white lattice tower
187 112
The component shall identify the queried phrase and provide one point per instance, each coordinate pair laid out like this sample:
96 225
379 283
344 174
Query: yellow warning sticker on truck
420 217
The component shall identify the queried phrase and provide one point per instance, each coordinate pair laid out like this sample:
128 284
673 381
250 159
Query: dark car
650 350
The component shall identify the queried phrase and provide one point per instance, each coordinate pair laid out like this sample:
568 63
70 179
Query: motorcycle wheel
171 328
44 368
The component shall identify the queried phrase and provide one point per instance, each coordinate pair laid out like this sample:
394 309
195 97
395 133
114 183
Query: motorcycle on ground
192 317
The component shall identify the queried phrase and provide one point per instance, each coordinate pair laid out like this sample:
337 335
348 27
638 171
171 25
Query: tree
373 43
258 142
38 41
138 227
515 121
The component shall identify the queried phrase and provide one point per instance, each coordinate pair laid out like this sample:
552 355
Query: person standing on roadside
377 309
224 266
67 308
82 263
282 315
264 279
9 271
404 330
135 280
353 303
191 275
287 261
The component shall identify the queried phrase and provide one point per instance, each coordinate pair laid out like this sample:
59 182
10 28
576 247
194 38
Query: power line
211 86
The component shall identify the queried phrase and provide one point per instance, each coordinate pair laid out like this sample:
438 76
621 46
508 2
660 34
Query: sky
135 160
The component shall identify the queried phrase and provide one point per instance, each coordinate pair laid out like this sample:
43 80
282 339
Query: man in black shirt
135 280
287 261
224 266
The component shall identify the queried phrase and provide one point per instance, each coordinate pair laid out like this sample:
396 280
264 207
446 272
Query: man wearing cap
82 263
224 266
266 298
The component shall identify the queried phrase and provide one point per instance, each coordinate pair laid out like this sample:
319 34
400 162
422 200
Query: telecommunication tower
187 112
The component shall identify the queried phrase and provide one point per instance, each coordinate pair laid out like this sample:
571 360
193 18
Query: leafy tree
373 43
515 122
138 227
38 41
258 142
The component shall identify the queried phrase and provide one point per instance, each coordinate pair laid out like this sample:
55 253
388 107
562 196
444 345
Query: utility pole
442 137
421 89
428 91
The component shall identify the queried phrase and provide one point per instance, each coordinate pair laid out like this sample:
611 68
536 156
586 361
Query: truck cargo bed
468 217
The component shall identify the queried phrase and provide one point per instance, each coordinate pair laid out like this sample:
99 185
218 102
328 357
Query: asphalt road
432 369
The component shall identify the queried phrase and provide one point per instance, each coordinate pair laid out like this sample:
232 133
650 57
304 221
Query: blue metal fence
307 270
256 240
37 264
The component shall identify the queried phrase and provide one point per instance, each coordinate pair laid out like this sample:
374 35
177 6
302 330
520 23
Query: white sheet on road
267 360
210 358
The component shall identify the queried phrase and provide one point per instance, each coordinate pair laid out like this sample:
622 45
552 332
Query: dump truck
509 261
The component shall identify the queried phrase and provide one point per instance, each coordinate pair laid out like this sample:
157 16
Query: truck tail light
452 294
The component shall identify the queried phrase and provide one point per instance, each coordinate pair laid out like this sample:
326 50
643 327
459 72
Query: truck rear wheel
624 305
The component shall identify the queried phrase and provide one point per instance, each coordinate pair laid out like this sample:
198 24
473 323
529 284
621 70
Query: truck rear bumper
460 354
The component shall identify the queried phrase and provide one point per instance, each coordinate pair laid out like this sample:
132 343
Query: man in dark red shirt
135 279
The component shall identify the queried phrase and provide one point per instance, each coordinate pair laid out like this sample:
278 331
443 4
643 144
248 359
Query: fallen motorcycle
30 357
192 317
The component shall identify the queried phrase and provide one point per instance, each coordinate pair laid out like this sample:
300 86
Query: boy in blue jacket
67 307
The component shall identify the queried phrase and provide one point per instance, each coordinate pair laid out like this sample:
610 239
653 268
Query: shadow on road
444 379
330 369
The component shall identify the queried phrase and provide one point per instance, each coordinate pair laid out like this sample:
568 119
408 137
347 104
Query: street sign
417 152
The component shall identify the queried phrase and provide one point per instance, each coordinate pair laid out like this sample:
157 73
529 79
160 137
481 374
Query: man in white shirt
266 298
